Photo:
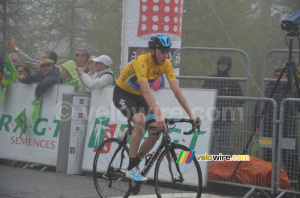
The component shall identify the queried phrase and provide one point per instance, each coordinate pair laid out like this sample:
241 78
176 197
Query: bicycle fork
149 163
172 152
169 150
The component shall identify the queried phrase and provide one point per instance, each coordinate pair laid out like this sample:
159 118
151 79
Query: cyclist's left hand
192 117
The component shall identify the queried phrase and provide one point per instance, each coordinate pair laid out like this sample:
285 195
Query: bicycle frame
166 149
165 143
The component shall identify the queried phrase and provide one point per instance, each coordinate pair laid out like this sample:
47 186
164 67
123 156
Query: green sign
10 75
21 120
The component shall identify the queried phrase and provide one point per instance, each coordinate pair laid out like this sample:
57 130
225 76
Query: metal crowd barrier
288 148
210 49
198 81
240 138
283 52
277 148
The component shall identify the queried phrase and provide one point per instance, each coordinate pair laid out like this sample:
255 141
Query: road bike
172 177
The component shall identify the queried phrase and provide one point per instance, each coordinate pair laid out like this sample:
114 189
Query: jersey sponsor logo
133 83
157 73
127 74
122 103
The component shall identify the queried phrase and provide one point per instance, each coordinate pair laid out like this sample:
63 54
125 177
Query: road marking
183 195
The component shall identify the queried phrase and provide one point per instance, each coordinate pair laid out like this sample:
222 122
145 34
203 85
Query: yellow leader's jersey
143 69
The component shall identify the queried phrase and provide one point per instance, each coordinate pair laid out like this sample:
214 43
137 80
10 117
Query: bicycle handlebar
177 120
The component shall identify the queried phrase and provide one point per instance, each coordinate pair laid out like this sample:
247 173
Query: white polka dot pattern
160 16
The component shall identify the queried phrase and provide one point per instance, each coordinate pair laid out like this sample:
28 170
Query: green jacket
70 66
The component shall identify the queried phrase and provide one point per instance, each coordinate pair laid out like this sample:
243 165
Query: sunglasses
79 55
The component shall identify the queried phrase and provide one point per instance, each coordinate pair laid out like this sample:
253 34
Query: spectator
139 51
29 62
22 70
14 58
91 65
81 57
277 73
290 125
69 75
48 76
104 75
225 108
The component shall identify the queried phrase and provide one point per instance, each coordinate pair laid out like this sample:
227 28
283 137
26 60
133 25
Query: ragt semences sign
39 144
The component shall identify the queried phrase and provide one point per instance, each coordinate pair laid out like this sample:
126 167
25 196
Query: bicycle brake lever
198 124
192 130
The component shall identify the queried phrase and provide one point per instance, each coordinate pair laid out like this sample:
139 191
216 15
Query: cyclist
133 97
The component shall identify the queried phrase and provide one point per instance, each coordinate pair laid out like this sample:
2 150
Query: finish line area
29 182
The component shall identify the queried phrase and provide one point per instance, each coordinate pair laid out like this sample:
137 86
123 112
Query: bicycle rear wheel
188 177
110 163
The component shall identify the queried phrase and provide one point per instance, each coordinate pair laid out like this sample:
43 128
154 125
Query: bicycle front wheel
110 163
177 179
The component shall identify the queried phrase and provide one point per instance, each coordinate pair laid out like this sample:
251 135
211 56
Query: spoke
109 181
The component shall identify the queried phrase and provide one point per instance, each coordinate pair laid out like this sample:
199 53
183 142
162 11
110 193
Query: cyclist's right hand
161 122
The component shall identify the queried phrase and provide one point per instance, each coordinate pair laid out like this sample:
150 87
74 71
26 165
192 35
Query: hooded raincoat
70 66
225 88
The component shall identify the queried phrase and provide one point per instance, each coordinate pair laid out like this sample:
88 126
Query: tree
63 26
14 19
106 31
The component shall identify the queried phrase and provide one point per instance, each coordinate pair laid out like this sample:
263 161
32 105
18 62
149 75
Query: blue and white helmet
160 41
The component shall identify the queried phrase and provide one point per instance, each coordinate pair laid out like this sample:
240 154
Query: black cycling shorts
130 104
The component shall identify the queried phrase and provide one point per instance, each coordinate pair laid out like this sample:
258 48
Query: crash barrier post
74 117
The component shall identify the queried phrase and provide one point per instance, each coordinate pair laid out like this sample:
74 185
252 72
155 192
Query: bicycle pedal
135 189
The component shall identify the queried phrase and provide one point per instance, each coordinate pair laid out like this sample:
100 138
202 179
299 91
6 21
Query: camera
292 22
